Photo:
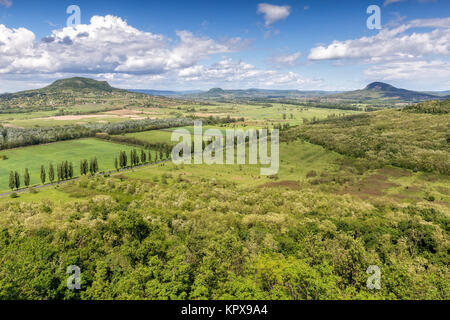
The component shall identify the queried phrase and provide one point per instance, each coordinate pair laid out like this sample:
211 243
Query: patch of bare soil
443 190
412 189
9 125
371 186
132 114
76 117
395 172
209 114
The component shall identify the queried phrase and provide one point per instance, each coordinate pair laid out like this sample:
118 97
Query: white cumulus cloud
273 13
107 44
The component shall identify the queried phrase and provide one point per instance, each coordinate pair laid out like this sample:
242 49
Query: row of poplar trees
64 171
143 157
89 166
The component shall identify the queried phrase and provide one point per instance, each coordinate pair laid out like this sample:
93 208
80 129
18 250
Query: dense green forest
134 239
433 107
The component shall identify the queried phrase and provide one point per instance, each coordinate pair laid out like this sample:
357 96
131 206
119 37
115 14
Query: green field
76 150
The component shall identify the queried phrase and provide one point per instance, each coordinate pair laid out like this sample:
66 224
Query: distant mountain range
164 92
218 93
379 91
376 92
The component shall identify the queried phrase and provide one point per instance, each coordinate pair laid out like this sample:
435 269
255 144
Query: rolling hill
72 86
383 92
374 93
67 93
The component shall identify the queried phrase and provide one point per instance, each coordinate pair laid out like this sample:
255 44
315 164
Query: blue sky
184 45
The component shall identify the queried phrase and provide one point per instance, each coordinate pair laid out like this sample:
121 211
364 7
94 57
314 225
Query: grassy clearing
297 159
76 150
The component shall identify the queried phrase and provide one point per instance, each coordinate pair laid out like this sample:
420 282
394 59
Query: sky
198 45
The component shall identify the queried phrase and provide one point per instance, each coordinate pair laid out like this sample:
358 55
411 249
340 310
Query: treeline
133 141
8 110
19 137
310 104
323 105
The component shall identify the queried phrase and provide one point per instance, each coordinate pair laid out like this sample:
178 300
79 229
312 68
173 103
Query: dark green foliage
253 243
26 178
123 161
84 167
59 172
43 175
12 180
71 173
51 173
17 180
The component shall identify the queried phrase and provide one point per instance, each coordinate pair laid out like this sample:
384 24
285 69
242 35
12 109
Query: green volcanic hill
71 86
75 92
383 92
79 84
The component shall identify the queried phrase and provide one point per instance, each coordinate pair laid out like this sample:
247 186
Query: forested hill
416 138
72 86
432 107
83 84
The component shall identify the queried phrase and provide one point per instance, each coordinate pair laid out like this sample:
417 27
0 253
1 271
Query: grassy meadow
75 150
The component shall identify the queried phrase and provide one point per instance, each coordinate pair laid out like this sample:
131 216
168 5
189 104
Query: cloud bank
109 48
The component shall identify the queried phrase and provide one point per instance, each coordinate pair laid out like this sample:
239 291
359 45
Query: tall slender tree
43 175
168 152
143 156
116 164
136 157
51 173
17 179
12 180
65 170
26 178
121 159
70 170
59 172
95 165
85 166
